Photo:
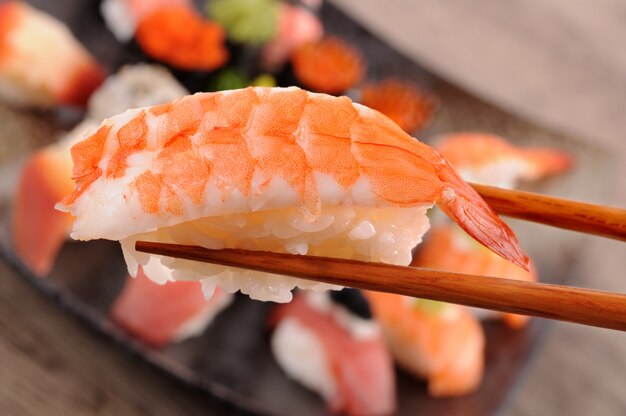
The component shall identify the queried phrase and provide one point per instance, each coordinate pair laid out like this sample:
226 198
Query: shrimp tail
462 204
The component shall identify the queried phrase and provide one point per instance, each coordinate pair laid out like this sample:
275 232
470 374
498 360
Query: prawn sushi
329 343
275 169
491 160
41 62
440 342
160 314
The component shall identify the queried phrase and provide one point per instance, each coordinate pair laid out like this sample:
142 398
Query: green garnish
246 21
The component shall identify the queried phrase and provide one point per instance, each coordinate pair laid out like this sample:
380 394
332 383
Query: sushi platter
233 359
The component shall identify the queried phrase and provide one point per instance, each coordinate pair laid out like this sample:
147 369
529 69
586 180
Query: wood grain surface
560 63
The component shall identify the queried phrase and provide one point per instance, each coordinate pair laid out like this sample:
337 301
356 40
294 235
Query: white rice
286 230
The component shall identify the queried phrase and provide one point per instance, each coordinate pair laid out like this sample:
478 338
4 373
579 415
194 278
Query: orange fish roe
180 37
329 65
399 100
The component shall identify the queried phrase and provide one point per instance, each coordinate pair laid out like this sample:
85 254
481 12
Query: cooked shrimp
440 342
258 151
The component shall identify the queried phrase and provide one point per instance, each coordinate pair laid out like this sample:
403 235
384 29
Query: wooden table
558 63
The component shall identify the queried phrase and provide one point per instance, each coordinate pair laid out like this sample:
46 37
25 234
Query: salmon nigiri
41 63
329 343
277 169
159 314
440 342
38 229
487 159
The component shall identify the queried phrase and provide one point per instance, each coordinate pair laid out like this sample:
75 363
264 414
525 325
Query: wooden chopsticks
564 303
572 215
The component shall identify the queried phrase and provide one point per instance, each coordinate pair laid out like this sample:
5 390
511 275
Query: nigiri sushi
448 248
491 160
277 169
440 342
159 314
41 63
123 16
329 343
38 229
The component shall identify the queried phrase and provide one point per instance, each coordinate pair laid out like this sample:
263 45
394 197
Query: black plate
232 360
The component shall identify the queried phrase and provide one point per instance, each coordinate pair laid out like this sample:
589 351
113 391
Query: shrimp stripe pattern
182 160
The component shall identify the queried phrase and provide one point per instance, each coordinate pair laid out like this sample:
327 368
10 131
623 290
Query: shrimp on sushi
277 169
440 342
41 63
328 342
487 159
160 314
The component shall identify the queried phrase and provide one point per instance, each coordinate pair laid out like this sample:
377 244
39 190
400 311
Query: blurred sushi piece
251 22
183 39
400 100
161 314
328 342
123 16
38 229
329 65
41 63
133 86
491 160
439 342
449 248
297 26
